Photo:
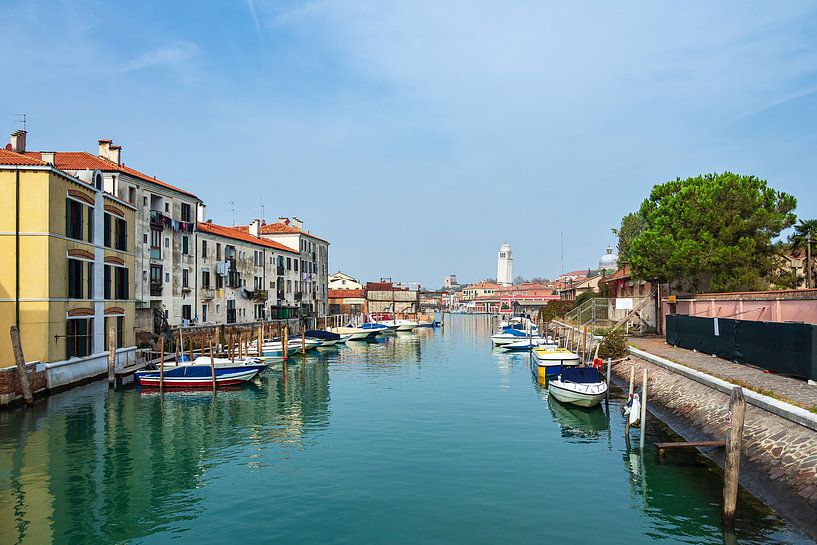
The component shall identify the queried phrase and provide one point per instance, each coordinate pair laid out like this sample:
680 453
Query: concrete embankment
779 463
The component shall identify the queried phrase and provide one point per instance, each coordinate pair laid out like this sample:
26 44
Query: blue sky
418 136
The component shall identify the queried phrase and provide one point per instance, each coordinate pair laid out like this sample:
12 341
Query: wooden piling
111 357
20 360
303 340
161 363
260 341
212 366
632 383
285 342
734 439
190 344
643 435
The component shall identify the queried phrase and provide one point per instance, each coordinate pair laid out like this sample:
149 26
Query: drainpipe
17 248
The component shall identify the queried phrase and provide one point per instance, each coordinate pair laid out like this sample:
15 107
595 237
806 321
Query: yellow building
69 253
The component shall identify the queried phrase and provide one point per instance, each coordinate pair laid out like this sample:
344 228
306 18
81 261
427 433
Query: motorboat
509 335
198 376
550 360
529 344
217 362
582 386
357 333
327 338
376 326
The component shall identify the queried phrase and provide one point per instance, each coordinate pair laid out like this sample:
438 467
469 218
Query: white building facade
504 266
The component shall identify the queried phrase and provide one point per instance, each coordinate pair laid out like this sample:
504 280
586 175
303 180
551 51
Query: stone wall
779 463
10 388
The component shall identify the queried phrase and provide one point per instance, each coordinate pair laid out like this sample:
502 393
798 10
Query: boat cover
581 375
320 334
514 332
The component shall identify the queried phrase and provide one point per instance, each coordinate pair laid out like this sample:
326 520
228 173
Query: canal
430 437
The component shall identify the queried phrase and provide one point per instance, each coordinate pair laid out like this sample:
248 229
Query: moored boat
357 333
199 376
582 386
550 360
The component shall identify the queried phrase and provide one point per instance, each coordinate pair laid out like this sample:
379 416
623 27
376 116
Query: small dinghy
199 376
582 386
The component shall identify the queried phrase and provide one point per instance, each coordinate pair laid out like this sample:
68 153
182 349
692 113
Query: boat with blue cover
582 386
199 376
549 361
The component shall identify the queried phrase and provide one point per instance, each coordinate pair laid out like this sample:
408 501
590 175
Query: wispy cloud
167 55
254 14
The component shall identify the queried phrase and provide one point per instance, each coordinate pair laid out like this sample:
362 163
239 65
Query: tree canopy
711 233
631 225
805 233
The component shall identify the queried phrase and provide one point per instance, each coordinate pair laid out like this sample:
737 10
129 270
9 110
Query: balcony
261 295
230 315
208 294
155 289
157 219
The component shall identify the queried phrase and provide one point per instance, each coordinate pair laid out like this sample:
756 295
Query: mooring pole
212 366
643 437
285 342
734 438
111 357
20 360
161 363
632 383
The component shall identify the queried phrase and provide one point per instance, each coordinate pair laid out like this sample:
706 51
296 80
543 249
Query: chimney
110 152
48 157
18 141
297 223
201 212
255 228
284 220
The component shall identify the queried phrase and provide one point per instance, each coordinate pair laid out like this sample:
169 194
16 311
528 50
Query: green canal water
424 438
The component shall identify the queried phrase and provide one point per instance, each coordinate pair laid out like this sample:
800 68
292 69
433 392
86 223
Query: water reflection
578 423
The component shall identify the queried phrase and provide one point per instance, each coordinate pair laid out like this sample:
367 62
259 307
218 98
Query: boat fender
598 363
635 412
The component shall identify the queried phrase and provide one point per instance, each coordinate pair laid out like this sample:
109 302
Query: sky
418 136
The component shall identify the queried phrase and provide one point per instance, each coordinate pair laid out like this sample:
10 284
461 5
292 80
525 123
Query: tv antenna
261 208
21 119
231 204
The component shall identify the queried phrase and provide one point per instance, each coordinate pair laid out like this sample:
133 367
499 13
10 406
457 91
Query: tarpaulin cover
789 348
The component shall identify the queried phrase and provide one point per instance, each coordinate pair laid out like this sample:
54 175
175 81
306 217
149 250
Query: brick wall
10 388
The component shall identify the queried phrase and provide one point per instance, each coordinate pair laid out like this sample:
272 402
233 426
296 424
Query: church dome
609 261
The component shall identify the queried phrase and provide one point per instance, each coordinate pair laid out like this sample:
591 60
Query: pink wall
784 306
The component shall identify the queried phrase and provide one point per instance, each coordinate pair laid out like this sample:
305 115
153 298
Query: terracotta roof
280 228
235 234
8 157
338 294
483 286
81 160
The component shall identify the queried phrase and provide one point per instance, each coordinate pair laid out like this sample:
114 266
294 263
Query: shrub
614 345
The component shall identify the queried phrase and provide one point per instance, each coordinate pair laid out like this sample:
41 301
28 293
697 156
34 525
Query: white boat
217 362
357 333
582 386
406 325
550 360
529 344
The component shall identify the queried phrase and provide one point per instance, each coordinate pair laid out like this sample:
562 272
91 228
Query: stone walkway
795 391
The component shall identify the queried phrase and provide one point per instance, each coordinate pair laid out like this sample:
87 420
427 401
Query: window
186 212
132 195
289 286
218 251
205 279
106 227
75 279
79 337
167 242
121 282
185 245
185 278
155 244
167 207
144 201
73 219
204 249
204 313
296 265
121 234
187 312
106 282
289 263
90 280
219 281
90 224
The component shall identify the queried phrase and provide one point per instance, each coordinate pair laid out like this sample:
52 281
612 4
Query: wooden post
212 366
231 348
20 360
584 344
176 344
111 356
260 341
161 363
285 342
190 344
642 437
632 383
303 340
734 438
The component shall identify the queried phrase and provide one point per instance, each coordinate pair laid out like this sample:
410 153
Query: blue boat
199 376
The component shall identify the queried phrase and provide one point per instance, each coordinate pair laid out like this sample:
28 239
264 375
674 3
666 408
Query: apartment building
70 260
243 277
311 289
165 229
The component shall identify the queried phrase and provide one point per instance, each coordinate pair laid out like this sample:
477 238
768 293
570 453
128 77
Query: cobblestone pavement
789 389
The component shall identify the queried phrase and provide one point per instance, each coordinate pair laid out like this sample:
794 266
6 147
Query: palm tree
805 234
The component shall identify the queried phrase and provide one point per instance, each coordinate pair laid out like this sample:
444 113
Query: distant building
504 266
386 297
342 281
450 281
608 262
481 289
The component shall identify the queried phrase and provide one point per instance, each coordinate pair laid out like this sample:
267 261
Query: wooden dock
662 447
